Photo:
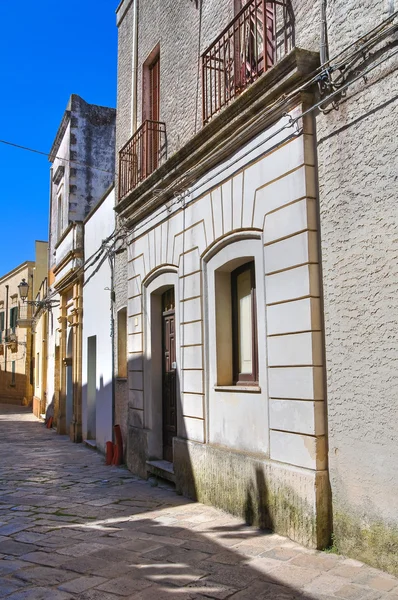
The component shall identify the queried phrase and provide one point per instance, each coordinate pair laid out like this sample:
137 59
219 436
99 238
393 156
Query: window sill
253 389
121 378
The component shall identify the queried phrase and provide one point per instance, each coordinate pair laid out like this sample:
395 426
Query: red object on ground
116 457
109 453
49 423
118 450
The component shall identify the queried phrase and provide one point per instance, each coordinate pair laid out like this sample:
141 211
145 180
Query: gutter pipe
6 328
324 47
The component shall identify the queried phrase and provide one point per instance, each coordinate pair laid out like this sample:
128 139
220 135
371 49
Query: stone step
161 468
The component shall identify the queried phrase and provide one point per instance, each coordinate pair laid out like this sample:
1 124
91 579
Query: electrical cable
46 154
291 123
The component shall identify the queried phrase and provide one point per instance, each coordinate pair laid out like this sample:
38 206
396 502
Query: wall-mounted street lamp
46 303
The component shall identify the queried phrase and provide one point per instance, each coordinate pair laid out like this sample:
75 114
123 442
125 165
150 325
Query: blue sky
48 50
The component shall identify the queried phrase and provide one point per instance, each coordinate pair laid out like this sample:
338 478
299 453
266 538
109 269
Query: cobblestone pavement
70 527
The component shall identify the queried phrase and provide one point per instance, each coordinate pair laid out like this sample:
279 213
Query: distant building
17 351
82 169
41 318
98 326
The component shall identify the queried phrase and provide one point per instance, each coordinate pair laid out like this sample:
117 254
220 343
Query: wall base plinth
75 432
136 453
289 500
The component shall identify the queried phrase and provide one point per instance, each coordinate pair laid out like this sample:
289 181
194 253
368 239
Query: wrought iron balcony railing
260 35
141 156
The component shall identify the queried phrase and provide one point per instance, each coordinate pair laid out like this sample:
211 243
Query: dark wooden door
169 375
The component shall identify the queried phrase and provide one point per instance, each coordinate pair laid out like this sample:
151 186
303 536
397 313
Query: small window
122 343
244 325
13 318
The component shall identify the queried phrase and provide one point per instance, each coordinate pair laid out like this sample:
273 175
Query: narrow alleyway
70 527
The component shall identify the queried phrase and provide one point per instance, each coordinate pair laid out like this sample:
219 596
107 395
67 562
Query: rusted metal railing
141 156
258 37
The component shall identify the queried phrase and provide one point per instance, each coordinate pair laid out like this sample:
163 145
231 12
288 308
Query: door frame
153 288
168 315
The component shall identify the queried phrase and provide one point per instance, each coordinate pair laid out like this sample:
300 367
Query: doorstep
161 468
91 444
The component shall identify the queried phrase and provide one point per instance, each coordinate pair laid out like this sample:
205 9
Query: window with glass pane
13 318
244 325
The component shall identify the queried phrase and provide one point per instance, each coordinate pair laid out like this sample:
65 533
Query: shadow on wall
257 503
12 386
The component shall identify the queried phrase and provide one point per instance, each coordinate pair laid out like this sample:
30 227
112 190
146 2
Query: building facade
98 327
82 159
17 350
40 322
240 168
226 387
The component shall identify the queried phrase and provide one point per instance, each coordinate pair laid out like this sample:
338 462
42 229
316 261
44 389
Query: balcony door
152 141
256 44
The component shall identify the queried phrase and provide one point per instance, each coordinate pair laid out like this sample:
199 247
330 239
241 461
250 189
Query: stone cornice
72 254
233 127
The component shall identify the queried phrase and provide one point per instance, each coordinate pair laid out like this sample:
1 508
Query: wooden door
257 43
169 375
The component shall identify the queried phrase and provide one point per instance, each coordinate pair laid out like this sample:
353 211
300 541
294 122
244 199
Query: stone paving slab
72 528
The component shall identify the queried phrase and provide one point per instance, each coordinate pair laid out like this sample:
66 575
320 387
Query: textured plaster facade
358 165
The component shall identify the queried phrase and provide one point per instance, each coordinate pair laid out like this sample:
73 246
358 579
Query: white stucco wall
97 322
269 193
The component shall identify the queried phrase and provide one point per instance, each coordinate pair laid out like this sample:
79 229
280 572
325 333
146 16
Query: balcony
141 156
260 35
10 339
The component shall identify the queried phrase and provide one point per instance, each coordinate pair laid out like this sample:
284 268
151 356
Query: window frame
13 318
244 379
122 337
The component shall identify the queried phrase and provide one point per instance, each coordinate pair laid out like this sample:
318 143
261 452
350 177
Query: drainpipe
5 346
324 48
134 60
111 259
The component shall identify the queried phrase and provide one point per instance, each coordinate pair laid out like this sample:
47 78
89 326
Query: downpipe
324 46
